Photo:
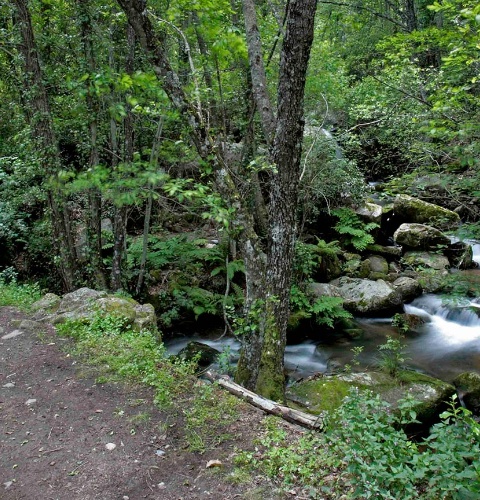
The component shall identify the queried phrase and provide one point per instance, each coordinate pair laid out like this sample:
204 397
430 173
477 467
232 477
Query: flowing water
445 345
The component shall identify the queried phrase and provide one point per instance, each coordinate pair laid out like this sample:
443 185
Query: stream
445 345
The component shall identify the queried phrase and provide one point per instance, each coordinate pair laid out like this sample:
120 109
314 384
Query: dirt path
64 437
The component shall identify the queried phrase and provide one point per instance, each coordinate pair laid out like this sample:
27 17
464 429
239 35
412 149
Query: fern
355 231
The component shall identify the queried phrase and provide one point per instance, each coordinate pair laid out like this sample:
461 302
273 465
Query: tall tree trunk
286 153
43 135
94 226
267 286
120 216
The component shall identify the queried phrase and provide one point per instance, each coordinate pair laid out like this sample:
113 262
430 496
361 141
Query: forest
261 167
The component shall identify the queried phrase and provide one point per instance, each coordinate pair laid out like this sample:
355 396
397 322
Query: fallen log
267 405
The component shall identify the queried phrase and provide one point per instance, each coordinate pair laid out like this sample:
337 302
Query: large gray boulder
420 236
409 209
84 303
426 259
362 296
370 212
408 288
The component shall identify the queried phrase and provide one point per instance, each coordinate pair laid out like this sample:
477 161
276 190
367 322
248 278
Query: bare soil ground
56 423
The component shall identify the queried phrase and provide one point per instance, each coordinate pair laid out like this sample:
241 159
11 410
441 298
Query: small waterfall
449 324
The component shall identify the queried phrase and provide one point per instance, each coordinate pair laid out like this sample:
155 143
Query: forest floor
64 436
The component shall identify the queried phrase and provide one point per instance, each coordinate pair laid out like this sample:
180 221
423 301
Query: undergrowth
364 454
119 352
16 294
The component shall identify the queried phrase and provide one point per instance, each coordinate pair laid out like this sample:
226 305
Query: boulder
460 255
84 303
202 353
323 289
326 393
420 236
48 304
389 252
426 259
370 212
408 288
410 209
468 388
363 296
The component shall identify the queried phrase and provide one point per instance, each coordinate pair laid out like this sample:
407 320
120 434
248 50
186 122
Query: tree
267 267
43 134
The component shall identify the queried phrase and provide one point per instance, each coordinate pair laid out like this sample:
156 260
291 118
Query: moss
321 394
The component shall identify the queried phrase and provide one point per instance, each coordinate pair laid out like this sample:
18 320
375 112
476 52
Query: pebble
110 446
10 384
30 402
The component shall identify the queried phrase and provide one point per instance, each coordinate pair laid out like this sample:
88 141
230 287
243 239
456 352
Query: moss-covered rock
48 304
204 354
420 237
426 259
367 296
468 387
326 393
84 303
411 209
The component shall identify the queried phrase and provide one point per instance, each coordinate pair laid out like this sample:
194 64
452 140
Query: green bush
15 294
365 454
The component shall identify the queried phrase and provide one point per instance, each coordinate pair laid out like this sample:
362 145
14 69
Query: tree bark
286 153
267 277
120 215
94 217
43 135
267 405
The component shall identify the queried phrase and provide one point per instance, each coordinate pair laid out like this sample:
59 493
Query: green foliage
109 343
328 178
325 310
183 270
392 355
207 415
400 322
354 231
16 294
364 454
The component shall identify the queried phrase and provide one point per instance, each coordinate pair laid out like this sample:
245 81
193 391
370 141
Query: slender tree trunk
148 210
94 214
120 216
43 135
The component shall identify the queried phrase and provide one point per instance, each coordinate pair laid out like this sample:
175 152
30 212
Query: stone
370 212
409 288
79 299
84 303
47 305
326 393
323 290
410 209
460 255
202 353
389 252
28 325
420 236
426 259
468 388
363 296
110 446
